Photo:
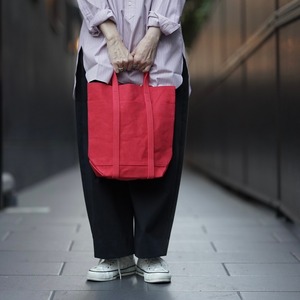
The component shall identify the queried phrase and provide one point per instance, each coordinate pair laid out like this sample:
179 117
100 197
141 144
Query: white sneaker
154 270
110 269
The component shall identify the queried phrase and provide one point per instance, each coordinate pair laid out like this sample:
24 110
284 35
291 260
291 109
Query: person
131 218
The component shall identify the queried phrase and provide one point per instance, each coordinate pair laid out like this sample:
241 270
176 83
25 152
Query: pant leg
154 201
107 201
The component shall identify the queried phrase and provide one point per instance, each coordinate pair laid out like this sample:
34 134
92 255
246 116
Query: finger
123 65
147 69
135 65
138 65
117 64
119 68
133 52
127 63
116 68
142 67
130 63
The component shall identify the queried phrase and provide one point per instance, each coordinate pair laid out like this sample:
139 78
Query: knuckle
137 59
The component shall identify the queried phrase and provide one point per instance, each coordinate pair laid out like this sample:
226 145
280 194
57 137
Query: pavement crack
77 228
213 246
71 246
295 256
51 296
226 270
62 268
6 235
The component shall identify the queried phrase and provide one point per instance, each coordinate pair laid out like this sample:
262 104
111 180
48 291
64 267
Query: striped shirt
132 18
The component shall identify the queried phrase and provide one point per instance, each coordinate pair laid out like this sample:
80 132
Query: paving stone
35 244
52 219
297 255
62 232
238 246
56 229
29 268
4 234
196 269
263 269
177 269
72 283
285 236
86 233
9 219
191 246
247 229
47 256
260 251
200 236
82 243
271 221
242 236
79 245
189 235
77 268
230 283
232 257
230 221
187 224
42 228
187 284
270 295
25 295
143 295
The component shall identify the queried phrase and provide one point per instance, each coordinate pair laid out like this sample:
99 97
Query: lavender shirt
132 18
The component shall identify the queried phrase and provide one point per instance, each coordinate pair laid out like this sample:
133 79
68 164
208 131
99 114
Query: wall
38 65
244 111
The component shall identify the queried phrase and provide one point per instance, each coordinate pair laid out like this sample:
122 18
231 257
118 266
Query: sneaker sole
96 276
154 277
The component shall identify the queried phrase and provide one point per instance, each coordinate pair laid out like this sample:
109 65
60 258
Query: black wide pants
130 217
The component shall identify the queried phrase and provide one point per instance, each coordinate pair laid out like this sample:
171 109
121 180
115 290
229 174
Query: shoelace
111 261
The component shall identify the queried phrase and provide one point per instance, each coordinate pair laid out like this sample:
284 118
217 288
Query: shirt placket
130 8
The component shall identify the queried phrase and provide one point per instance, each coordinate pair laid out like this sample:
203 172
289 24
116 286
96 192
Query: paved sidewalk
222 247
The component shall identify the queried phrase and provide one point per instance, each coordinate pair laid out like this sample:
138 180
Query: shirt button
129 3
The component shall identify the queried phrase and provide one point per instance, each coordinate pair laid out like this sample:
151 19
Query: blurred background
244 120
38 50
245 110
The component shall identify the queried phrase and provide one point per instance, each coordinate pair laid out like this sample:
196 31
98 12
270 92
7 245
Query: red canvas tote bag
130 129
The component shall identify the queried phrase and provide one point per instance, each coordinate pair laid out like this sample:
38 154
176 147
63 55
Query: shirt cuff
166 25
101 16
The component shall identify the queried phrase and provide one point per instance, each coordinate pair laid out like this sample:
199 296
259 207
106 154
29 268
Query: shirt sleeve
166 14
94 13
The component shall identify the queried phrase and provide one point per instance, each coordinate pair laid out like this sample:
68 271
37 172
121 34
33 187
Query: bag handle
150 125
116 125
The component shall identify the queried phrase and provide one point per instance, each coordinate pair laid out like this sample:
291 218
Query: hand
119 55
144 53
